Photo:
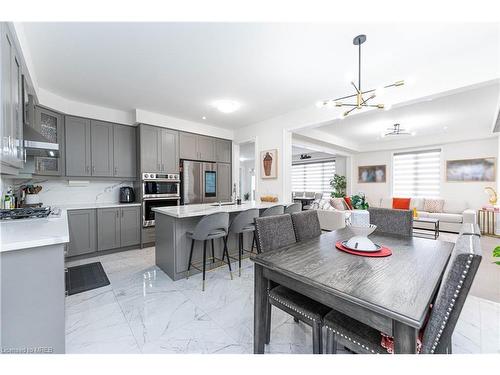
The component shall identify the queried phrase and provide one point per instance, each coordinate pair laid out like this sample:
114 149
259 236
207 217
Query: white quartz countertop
28 233
194 210
83 206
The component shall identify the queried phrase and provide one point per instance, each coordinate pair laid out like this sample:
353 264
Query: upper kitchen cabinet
101 144
169 151
197 147
50 125
12 150
124 151
223 150
206 148
149 149
159 149
78 150
188 148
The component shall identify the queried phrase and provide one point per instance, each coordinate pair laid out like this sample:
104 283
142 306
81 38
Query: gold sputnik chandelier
363 98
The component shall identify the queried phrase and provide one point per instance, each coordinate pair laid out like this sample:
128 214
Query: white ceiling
179 68
460 116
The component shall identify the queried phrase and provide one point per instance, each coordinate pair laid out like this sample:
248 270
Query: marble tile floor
144 311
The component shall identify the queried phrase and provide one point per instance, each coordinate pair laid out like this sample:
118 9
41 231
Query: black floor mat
85 277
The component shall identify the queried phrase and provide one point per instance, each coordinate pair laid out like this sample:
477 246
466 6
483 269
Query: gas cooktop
25 213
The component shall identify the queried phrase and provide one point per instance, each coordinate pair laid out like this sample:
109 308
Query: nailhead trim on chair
258 236
285 303
452 304
350 339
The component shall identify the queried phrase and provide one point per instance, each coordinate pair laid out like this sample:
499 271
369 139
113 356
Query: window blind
416 174
313 176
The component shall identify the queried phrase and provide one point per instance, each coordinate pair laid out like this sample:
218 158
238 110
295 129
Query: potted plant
339 185
359 202
246 196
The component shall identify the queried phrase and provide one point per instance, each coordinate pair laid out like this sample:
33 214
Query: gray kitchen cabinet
169 151
223 182
188 148
50 124
78 150
118 227
124 151
130 223
12 148
149 149
101 148
82 232
196 147
108 228
223 150
206 148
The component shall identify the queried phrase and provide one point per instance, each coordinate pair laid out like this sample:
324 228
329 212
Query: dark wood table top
400 286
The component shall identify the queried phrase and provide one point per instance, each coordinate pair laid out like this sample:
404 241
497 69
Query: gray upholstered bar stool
457 281
279 209
293 207
274 232
399 222
243 223
210 227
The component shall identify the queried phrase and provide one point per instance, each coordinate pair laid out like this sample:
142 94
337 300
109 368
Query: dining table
391 294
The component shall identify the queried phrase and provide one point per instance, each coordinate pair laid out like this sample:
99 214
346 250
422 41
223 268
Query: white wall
471 192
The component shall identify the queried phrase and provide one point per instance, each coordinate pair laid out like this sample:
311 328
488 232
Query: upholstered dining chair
293 207
457 281
274 232
306 225
389 221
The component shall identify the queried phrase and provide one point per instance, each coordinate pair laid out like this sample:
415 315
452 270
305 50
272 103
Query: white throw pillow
338 203
433 205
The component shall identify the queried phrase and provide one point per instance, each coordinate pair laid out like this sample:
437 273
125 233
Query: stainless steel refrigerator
198 182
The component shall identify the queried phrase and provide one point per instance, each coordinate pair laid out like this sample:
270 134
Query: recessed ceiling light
445 128
226 106
204 118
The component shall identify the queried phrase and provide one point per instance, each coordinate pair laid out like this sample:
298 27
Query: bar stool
294 207
210 227
243 223
279 209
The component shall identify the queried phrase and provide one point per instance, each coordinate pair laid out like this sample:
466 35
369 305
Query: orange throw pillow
348 202
401 203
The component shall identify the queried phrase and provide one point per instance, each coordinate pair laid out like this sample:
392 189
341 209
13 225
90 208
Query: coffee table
424 232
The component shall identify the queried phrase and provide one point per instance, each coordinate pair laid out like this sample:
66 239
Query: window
313 176
416 174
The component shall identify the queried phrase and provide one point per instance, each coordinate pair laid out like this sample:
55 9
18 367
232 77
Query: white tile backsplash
59 192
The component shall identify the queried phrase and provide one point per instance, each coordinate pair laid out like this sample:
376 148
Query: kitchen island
172 243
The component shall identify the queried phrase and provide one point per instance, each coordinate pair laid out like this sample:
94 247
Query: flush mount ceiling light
362 97
397 130
226 106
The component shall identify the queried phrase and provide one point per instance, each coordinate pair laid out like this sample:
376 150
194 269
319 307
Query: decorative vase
268 162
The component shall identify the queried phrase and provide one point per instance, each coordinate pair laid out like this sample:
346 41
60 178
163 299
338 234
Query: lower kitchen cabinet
108 228
82 232
99 229
130 222
118 227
